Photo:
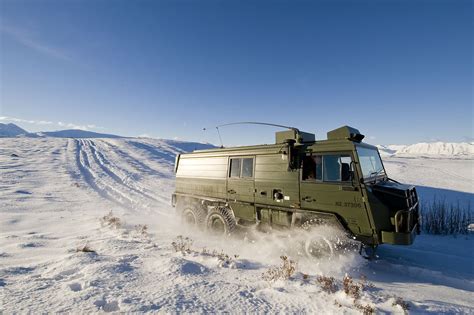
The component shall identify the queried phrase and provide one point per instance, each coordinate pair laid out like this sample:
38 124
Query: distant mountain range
12 130
434 149
72 133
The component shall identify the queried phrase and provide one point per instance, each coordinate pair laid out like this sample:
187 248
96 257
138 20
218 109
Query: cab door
241 187
328 184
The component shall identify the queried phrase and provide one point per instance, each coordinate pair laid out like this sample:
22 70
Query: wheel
193 215
320 240
318 246
220 221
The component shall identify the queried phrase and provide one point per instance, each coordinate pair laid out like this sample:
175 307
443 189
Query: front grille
412 198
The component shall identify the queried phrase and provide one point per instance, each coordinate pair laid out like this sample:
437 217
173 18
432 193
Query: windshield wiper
375 173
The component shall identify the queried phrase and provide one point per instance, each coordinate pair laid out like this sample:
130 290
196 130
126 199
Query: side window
346 171
234 168
247 167
337 168
330 168
241 168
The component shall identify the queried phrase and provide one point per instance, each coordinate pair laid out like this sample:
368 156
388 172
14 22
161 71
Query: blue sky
400 71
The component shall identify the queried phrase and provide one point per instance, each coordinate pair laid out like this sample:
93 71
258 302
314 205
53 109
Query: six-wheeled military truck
340 182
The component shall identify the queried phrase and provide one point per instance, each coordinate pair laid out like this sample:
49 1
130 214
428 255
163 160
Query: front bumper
400 238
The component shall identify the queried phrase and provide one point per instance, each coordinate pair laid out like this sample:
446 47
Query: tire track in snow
102 179
82 163
141 170
108 167
103 176
134 162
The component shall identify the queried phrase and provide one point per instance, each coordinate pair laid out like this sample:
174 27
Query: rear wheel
220 221
193 215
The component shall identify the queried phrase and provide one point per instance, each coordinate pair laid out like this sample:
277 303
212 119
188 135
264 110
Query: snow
450 150
54 192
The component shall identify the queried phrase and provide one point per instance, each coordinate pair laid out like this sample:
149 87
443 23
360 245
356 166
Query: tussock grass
142 229
402 303
328 284
283 272
85 249
444 218
182 245
111 221
366 309
350 288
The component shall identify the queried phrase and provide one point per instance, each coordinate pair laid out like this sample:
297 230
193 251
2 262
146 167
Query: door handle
349 188
308 199
231 191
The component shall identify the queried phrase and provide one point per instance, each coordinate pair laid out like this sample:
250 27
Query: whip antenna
220 138
250 123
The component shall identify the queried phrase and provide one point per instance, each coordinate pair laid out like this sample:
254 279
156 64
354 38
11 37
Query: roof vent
293 135
345 133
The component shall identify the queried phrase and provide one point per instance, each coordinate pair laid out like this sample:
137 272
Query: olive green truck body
339 181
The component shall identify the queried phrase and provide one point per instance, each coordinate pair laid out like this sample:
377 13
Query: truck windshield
370 162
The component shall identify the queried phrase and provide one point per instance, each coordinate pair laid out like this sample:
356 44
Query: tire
193 215
319 247
317 244
220 221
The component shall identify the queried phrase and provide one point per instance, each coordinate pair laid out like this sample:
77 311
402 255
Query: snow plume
259 248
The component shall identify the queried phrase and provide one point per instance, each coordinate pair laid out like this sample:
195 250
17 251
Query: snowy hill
59 254
432 150
11 130
71 133
462 149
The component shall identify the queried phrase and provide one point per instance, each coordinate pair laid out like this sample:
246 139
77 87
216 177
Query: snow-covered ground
54 192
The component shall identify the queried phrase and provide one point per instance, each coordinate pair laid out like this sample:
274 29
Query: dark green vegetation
297 182
442 217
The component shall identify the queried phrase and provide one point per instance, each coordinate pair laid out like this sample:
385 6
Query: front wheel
220 221
318 246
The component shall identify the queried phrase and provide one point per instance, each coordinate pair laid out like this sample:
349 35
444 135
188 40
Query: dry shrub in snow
350 288
283 272
85 249
365 309
142 229
364 283
182 244
226 260
111 221
441 217
354 290
328 284
402 303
